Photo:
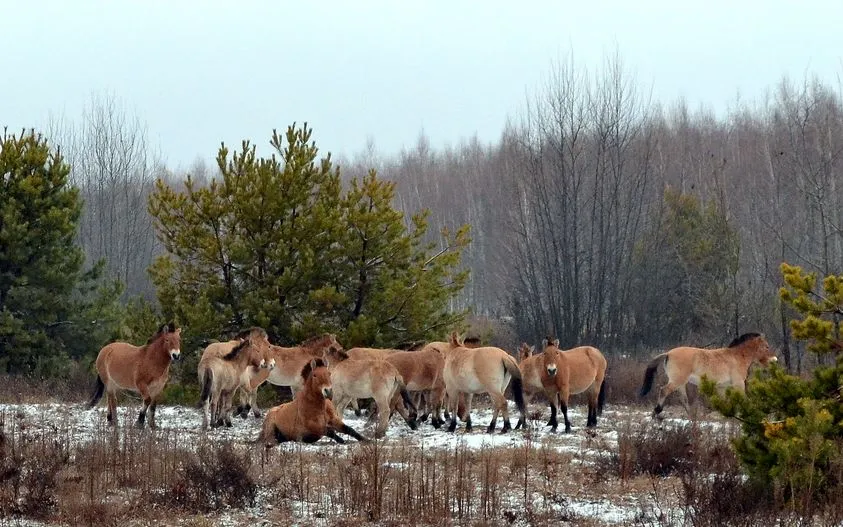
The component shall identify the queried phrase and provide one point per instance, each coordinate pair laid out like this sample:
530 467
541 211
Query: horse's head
317 378
257 348
334 356
551 356
454 340
754 346
762 351
170 340
525 351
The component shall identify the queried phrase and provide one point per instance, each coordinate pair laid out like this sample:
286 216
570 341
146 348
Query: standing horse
537 378
725 366
310 415
287 372
142 369
224 367
569 372
477 370
354 379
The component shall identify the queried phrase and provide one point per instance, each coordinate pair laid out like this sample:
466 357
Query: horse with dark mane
141 369
310 415
727 366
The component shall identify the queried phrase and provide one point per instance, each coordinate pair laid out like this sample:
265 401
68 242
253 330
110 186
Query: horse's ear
314 364
178 331
532 349
454 338
544 343
171 327
556 343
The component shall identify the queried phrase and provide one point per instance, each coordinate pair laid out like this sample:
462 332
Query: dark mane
231 355
471 340
743 339
313 340
246 333
411 346
305 372
165 328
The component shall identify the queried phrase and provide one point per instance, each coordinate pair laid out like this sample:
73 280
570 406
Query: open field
180 475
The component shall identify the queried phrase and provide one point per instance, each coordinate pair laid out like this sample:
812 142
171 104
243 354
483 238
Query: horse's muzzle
328 393
552 371
175 355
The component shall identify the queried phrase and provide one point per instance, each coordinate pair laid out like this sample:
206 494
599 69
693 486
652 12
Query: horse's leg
452 404
226 402
356 408
564 395
397 403
111 416
383 402
143 389
468 398
434 400
507 425
153 404
666 390
333 435
683 398
552 398
591 421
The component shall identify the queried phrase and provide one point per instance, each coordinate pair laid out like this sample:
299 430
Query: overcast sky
199 72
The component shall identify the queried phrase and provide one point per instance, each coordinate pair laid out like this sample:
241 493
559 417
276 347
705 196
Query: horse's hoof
490 429
452 427
468 426
412 424
567 429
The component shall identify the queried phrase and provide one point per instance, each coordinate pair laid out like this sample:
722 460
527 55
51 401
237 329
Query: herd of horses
436 380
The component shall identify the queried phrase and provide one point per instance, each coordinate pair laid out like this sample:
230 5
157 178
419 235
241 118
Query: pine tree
275 242
50 309
685 261
792 427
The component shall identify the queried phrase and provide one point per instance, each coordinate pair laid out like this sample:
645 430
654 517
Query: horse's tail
207 380
512 368
405 395
98 391
601 397
650 374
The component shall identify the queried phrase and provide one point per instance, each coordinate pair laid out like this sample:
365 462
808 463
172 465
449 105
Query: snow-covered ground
80 425
74 424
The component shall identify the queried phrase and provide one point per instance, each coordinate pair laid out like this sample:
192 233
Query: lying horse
354 379
142 369
477 370
725 366
224 367
310 415
561 374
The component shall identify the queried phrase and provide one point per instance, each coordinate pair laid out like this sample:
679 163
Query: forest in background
600 215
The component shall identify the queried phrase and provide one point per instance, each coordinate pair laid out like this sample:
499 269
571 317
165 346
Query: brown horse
725 366
477 370
142 369
224 367
541 374
310 415
430 400
573 371
366 378
287 372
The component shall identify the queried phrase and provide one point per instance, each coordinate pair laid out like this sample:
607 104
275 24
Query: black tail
98 391
650 375
408 402
601 397
207 379
518 394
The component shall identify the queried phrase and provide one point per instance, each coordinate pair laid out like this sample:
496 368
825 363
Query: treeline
599 216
